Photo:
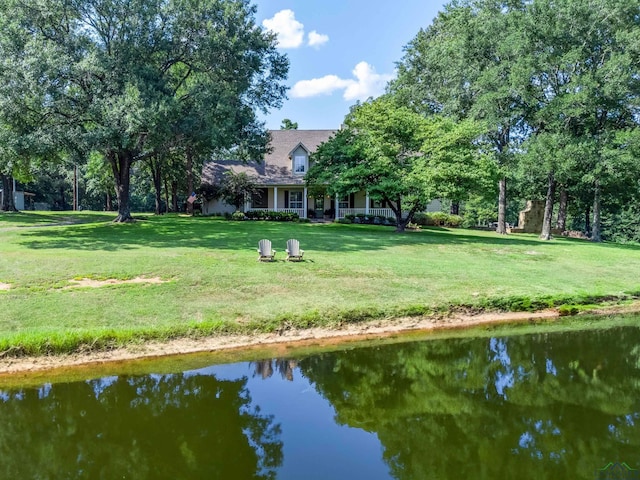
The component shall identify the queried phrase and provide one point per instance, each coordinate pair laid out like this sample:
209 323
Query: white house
280 178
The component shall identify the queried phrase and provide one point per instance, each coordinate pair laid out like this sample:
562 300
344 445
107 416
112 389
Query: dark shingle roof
276 167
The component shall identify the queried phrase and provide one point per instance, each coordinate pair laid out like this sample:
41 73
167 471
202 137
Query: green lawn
214 283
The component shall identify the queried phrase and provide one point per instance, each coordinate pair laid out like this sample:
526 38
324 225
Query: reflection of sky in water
315 447
504 378
99 385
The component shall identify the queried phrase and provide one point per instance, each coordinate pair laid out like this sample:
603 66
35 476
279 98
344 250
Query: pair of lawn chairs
267 254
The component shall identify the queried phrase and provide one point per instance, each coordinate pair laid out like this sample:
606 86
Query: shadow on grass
215 233
32 219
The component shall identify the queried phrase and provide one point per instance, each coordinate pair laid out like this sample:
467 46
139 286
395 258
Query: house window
295 199
299 164
346 201
377 203
260 199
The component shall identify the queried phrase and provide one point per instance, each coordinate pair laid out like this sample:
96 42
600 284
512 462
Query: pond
558 403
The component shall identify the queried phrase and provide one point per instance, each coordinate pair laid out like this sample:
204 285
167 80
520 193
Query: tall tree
399 157
126 76
461 65
378 152
578 78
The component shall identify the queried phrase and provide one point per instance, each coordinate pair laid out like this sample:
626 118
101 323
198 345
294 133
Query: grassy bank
212 283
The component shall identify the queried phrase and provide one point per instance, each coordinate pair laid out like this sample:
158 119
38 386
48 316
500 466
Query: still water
548 405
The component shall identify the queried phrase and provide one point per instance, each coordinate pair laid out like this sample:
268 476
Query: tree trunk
8 205
156 176
75 188
561 224
595 233
548 207
189 179
121 166
166 196
455 208
174 195
63 201
502 206
587 221
108 199
396 207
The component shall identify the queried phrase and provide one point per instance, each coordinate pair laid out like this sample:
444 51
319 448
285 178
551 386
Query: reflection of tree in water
151 427
265 368
537 406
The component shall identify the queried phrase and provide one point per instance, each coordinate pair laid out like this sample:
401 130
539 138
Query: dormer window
300 164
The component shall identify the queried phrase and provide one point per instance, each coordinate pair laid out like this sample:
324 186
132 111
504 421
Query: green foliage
288 125
438 219
553 85
272 216
235 188
623 226
479 211
377 152
238 216
137 79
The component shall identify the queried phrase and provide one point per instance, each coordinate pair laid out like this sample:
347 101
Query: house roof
275 169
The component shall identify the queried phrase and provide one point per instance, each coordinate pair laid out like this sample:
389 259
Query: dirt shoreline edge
312 336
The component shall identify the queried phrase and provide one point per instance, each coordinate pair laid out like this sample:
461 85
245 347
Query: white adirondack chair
293 250
265 251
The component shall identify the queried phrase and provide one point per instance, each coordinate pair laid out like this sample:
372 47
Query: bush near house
437 219
368 219
271 216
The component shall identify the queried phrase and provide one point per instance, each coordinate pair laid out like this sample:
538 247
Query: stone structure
530 219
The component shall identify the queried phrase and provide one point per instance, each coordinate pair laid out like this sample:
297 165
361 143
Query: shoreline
313 336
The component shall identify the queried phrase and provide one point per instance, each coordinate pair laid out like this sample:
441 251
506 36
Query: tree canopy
131 79
536 73
398 157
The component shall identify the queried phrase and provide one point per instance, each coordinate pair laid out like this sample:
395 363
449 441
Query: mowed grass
213 282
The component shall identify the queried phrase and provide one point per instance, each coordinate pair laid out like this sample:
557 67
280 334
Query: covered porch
296 199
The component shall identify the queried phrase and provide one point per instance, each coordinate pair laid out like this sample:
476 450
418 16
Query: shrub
454 221
238 216
344 220
350 216
439 219
271 216
421 218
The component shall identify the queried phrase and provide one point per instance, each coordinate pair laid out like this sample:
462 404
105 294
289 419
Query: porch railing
379 212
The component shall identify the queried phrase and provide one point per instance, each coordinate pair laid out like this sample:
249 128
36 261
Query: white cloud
284 24
317 39
319 86
367 84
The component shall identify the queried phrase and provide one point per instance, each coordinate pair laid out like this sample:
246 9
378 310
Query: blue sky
340 51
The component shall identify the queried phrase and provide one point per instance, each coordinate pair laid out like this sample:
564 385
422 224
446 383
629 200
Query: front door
318 207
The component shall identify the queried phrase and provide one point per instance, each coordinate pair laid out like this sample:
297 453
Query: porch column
247 203
366 204
305 203
337 206
275 199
